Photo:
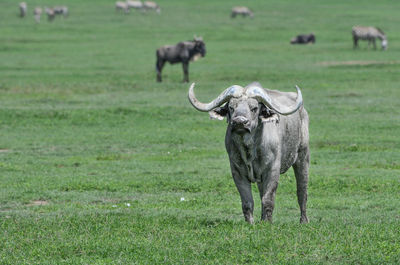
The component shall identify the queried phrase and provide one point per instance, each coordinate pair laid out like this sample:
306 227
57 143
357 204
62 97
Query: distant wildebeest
183 52
23 8
121 6
61 10
50 13
241 10
370 34
37 12
148 5
303 39
267 134
138 5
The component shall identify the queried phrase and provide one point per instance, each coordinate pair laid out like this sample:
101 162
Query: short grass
95 156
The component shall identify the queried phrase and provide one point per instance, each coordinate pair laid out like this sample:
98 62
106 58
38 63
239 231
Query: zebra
241 10
147 5
37 12
23 7
50 14
61 10
119 5
370 34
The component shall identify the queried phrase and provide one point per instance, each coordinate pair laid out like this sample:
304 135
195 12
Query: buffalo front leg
301 172
267 190
185 66
159 66
244 188
355 42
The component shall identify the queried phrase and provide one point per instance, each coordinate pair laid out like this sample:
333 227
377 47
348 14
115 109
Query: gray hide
267 134
183 52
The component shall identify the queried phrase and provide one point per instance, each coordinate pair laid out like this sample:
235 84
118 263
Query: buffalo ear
268 115
219 113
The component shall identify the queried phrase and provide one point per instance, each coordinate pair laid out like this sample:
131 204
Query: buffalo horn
262 96
226 95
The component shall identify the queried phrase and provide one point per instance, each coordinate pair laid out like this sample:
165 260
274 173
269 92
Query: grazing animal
303 39
23 8
138 5
267 134
183 52
148 5
370 34
37 12
61 10
50 14
121 6
241 10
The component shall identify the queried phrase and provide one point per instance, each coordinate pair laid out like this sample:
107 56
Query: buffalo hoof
304 220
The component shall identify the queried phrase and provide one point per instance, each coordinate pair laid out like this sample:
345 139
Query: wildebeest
267 134
50 13
119 6
37 12
23 8
183 52
135 4
370 34
241 10
61 10
303 39
147 5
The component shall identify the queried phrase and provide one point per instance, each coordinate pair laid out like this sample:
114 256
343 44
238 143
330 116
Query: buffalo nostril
240 121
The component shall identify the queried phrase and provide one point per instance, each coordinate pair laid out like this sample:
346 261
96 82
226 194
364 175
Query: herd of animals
267 130
37 11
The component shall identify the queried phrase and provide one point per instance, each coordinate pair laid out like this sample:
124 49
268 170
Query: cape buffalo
183 52
267 134
370 34
303 39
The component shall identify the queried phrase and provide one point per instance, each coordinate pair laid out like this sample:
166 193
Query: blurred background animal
241 10
61 10
138 5
150 5
37 12
50 14
121 6
23 8
183 52
303 39
370 34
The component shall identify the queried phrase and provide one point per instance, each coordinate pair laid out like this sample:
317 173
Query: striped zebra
370 34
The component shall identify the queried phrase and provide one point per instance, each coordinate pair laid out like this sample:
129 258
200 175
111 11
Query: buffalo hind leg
301 172
244 188
185 66
159 66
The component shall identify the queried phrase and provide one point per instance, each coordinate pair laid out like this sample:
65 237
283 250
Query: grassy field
95 156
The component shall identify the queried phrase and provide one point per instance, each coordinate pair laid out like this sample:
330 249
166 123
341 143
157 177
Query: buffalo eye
254 109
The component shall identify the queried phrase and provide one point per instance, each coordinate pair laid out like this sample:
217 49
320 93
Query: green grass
86 131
